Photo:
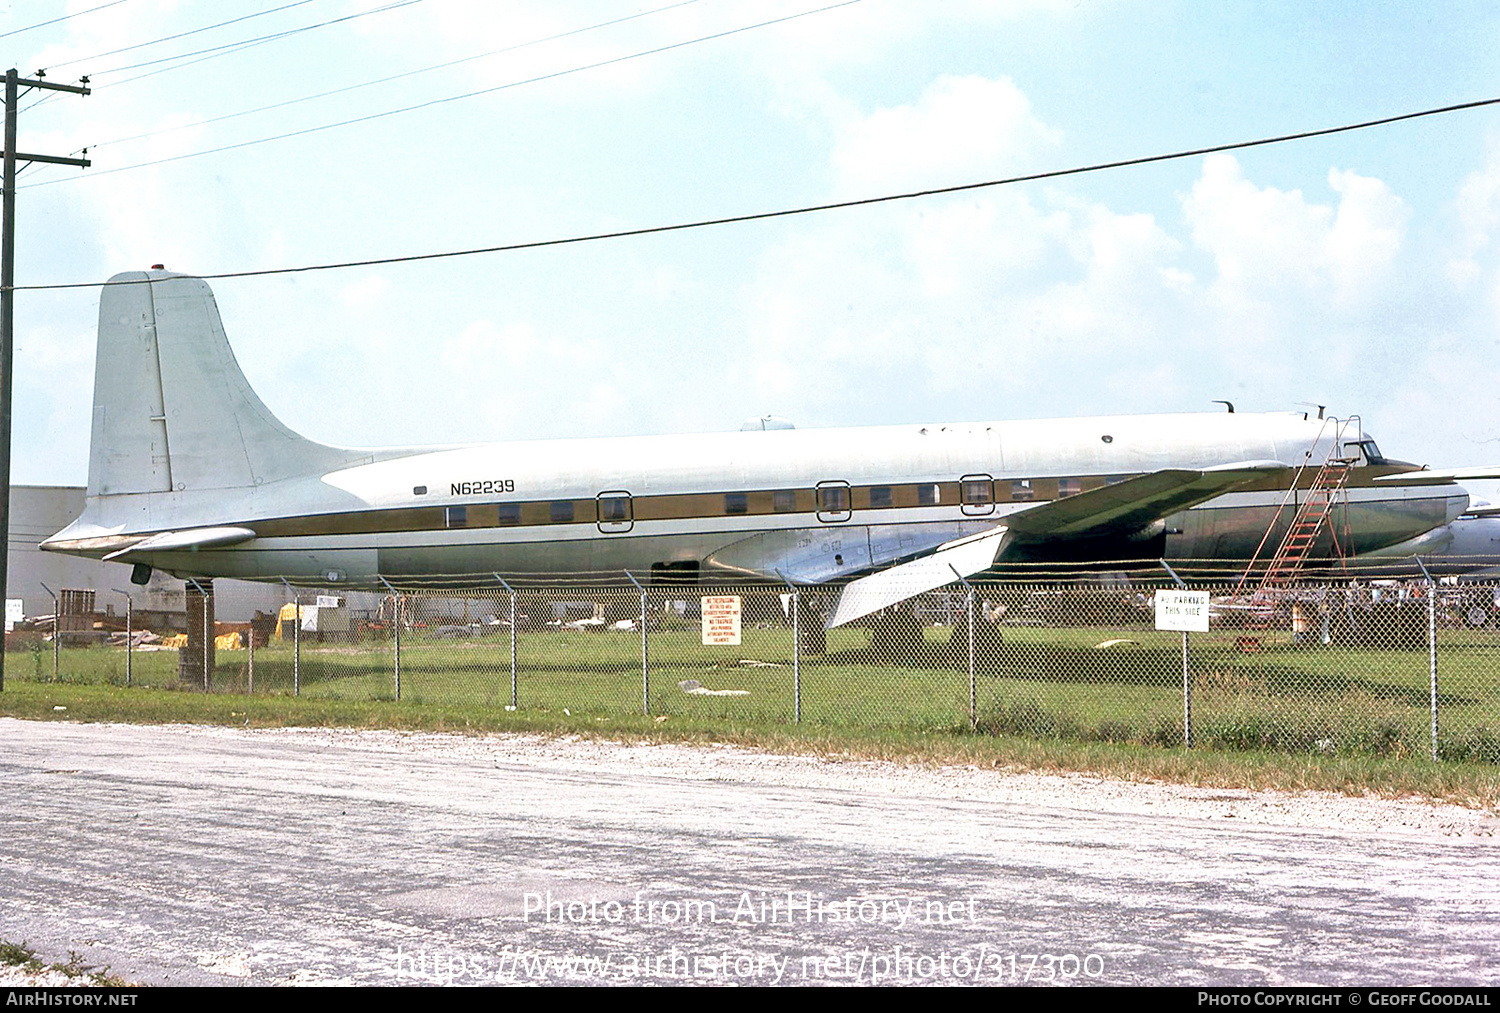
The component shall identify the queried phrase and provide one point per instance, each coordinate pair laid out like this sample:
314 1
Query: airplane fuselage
191 473
812 504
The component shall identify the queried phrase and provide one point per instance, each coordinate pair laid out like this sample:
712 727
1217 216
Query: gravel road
201 855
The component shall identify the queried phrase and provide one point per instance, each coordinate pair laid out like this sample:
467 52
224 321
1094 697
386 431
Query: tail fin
172 410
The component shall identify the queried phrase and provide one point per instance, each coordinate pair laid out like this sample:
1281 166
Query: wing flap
819 555
961 558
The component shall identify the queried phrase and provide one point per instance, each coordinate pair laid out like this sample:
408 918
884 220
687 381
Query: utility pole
13 85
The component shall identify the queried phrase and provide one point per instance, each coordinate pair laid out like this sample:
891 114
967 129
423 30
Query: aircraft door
977 495
615 512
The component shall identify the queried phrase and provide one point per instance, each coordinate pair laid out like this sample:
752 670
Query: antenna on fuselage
1226 404
1310 404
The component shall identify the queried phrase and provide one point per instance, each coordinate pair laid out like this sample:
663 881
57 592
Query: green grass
24 957
1302 716
1458 781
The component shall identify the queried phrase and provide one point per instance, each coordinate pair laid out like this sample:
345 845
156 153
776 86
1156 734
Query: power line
245 43
384 80
451 98
813 208
182 35
237 47
65 17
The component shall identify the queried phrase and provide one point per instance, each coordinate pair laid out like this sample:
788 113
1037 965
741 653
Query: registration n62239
489 487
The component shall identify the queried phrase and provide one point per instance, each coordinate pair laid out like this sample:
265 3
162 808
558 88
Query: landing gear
195 661
812 636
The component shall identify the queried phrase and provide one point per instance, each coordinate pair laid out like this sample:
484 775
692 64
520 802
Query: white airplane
1470 546
190 473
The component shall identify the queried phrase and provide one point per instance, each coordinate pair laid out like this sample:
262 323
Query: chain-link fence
1385 667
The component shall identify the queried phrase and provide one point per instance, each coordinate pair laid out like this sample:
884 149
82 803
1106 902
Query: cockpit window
1366 449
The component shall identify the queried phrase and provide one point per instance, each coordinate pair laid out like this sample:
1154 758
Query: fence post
396 627
512 592
250 657
969 611
1432 680
129 632
1187 671
1187 695
56 629
645 655
296 637
973 689
796 608
208 630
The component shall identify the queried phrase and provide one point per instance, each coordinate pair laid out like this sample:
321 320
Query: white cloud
364 293
1477 211
1270 245
961 129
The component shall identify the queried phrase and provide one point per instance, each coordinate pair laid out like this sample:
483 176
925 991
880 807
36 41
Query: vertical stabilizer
172 410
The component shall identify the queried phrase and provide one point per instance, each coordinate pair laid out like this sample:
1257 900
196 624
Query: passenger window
784 501
928 495
978 492
562 511
1021 490
510 513
457 517
1069 487
736 503
880 496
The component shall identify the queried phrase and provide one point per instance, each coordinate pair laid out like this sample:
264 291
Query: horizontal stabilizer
184 541
1128 506
1443 476
962 558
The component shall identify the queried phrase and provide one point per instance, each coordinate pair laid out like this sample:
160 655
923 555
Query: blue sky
1359 271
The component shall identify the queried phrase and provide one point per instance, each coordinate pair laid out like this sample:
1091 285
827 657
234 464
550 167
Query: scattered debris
696 688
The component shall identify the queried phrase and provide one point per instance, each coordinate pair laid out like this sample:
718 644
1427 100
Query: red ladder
1308 523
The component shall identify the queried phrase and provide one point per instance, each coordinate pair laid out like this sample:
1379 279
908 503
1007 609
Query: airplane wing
1442 476
1122 508
1127 507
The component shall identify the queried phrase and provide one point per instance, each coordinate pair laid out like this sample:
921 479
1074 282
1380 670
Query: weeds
22 956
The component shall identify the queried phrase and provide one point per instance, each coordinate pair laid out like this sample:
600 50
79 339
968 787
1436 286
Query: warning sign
1182 610
721 619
